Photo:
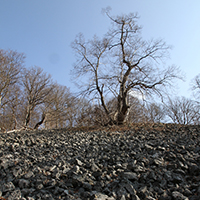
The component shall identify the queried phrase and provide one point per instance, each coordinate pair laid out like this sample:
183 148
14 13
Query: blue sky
44 30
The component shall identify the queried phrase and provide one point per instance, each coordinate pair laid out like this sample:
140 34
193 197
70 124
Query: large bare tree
37 88
119 63
11 63
13 110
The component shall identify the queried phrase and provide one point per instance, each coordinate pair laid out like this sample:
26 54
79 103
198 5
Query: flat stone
129 175
178 196
100 196
29 174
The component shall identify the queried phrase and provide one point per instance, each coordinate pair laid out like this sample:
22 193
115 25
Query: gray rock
87 186
194 169
15 195
29 174
150 198
178 196
30 198
27 191
23 183
129 175
94 167
165 196
177 178
100 196
40 186
131 164
7 187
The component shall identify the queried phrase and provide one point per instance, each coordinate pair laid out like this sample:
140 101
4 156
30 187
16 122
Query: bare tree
121 62
59 108
11 64
82 112
37 87
154 113
182 110
195 86
14 109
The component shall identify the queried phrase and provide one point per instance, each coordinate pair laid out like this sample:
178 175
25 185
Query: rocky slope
139 162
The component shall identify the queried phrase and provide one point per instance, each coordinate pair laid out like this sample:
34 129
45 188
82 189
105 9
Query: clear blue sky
44 30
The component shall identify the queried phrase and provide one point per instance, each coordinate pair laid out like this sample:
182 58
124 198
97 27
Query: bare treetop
120 62
195 86
37 88
11 64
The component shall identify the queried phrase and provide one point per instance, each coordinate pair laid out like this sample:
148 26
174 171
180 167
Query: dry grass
158 127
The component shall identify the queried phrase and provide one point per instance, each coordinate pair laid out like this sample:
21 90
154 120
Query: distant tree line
113 68
29 98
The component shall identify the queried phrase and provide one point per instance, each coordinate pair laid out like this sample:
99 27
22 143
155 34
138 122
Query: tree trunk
121 115
41 121
122 110
27 119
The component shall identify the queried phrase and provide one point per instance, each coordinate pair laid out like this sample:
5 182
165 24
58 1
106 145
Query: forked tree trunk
121 115
122 106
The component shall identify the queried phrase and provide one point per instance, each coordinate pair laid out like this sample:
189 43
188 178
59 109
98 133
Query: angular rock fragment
130 164
177 195
7 187
129 175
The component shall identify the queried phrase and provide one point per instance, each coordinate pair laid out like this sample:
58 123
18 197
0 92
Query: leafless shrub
182 110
